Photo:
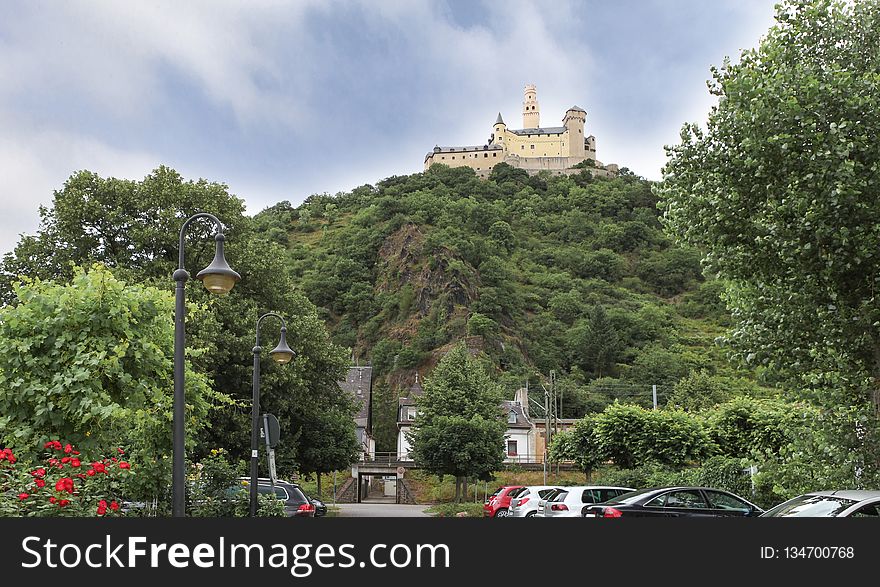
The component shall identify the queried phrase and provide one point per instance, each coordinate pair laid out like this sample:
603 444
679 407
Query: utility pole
654 387
546 432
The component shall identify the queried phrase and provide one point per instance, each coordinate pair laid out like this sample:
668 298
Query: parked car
525 504
498 504
829 504
675 502
320 507
571 501
296 504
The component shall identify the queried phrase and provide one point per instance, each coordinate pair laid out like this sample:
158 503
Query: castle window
533 147
453 156
522 147
494 154
443 157
485 154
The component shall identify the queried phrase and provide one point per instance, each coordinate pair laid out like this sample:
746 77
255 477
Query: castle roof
578 108
540 131
465 149
499 120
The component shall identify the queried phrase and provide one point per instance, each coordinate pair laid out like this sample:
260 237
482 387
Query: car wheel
531 514
502 513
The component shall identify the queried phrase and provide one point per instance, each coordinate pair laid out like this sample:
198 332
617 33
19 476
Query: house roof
359 382
515 407
540 131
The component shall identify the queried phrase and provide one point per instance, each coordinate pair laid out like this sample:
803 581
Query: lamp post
281 354
218 278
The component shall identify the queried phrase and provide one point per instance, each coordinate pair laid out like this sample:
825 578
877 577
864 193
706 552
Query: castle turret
531 111
574 121
498 131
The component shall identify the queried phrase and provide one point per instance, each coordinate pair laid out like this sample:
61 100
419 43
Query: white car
571 501
525 504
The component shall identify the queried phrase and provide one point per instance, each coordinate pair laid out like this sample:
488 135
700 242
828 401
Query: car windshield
816 506
631 497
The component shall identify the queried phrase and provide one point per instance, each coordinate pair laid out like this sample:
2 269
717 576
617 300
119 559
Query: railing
392 458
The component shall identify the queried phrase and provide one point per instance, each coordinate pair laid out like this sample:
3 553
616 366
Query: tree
580 444
781 195
329 443
459 429
92 362
133 228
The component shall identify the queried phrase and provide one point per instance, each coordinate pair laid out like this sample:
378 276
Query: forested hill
566 274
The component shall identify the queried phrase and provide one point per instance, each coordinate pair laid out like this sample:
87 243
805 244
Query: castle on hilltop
532 148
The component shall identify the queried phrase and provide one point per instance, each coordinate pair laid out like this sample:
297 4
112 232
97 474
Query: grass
451 510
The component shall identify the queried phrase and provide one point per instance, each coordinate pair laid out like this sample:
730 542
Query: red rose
52 500
120 451
48 444
124 465
67 448
114 459
99 467
41 472
102 510
114 506
64 484
63 502
76 452
90 472
40 483
22 496
74 462
65 460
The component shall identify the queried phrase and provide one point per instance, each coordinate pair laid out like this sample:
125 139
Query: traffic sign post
271 433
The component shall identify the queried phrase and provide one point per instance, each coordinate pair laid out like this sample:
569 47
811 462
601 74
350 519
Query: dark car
296 504
674 502
830 504
320 507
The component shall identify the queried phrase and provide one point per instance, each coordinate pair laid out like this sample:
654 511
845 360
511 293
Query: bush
64 484
451 510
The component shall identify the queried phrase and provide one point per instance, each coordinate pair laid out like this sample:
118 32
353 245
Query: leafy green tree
698 391
780 194
459 429
92 362
632 436
580 444
593 344
329 443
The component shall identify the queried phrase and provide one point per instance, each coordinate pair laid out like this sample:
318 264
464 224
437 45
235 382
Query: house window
511 448
410 414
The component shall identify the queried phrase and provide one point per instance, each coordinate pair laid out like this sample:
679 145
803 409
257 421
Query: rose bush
64 483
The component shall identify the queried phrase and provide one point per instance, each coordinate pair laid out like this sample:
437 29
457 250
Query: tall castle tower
531 111
574 121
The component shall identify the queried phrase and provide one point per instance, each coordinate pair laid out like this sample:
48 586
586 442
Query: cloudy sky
283 99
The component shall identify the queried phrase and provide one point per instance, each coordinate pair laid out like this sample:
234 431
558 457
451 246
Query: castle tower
531 111
498 131
574 121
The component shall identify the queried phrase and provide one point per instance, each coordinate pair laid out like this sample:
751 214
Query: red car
498 504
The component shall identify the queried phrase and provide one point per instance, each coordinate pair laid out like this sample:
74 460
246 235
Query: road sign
270 422
272 473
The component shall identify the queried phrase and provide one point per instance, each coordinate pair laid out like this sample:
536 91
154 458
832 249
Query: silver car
830 504
525 504
571 501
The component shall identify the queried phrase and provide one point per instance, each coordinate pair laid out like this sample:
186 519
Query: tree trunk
589 475
457 489
465 483
319 485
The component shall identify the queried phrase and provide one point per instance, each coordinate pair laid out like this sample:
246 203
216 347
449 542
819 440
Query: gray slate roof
540 131
516 408
359 383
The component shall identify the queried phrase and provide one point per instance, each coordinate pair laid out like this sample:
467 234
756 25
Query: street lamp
281 354
218 278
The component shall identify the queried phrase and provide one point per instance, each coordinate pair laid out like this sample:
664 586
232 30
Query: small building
359 383
406 415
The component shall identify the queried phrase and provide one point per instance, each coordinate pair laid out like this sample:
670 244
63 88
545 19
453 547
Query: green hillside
546 273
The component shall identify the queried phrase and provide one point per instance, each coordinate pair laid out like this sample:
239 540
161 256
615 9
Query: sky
283 99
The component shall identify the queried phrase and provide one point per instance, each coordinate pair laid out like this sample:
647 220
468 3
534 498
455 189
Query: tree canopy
780 193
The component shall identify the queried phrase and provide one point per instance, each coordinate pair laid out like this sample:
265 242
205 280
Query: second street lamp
218 278
281 354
